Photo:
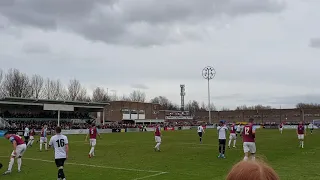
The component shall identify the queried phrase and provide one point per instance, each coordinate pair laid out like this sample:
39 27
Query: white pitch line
97 166
145 177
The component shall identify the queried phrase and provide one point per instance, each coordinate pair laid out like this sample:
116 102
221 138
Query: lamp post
209 73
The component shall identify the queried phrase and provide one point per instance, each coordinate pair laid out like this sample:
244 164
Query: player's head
221 122
251 120
252 170
58 130
300 123
7 135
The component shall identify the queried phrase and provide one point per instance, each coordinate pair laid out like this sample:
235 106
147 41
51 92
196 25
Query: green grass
129 156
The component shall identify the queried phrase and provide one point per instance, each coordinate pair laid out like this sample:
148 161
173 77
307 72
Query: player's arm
87 135
98 133
67 147
50 143
14 145
203 130
253 132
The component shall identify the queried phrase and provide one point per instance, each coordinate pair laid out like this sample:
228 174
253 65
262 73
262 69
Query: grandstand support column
58 117
103 116
209 73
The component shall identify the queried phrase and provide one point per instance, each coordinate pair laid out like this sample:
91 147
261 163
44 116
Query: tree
99 95
74 89
82 96
165 103
36 86
192 106
54 90
255 107
225 109
307 105
204 107
1 90
124 98
16 84
137 96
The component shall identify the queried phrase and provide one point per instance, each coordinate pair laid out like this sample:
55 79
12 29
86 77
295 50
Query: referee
222 134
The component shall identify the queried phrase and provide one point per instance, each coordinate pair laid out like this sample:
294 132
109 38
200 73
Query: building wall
115 111
262 116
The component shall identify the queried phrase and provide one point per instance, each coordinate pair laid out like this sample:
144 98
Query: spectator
252 170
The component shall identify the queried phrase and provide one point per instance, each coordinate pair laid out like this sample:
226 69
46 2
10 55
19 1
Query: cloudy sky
264 52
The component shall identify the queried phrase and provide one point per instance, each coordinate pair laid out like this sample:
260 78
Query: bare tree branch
54 90
16 84
99 95
74 89
36 86
137 96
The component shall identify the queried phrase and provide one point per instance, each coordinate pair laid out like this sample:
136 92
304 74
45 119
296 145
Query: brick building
262 116
127 110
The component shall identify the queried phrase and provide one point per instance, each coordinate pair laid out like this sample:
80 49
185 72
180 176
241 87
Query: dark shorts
222 141
200 134
60 162
26 138
311 129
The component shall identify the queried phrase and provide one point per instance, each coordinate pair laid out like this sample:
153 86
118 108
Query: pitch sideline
157 173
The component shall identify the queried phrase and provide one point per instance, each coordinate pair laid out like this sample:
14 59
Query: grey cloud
315 43
133 22
36 47
139 86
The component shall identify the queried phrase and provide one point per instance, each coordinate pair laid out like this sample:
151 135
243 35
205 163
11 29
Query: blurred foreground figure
252 170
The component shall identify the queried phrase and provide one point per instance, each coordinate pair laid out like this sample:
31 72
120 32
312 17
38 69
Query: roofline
49 100
134 102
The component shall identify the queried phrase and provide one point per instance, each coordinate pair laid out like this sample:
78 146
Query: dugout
27 105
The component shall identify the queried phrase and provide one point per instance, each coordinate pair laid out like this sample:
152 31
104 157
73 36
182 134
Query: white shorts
157 139
93 142
31 138
43 139
20 149
249 147
233 136
280 129
301 136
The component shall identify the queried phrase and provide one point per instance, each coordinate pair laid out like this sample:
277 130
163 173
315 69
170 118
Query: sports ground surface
130 156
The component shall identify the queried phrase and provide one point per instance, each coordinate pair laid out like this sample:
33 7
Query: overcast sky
264 52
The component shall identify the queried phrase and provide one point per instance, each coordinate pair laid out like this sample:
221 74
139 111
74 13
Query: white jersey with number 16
59 142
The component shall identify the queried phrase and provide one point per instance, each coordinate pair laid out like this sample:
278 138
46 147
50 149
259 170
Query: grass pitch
130 156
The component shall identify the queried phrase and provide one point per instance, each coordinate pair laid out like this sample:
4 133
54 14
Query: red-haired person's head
252 170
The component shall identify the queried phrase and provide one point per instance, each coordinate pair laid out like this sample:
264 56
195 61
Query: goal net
4 124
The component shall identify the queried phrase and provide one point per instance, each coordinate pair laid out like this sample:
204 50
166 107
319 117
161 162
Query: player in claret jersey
32 133
157 137
301 132
248 137
232 136
19 147
281 127
43 138
93 132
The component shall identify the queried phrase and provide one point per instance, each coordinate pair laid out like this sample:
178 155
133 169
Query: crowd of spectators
46 114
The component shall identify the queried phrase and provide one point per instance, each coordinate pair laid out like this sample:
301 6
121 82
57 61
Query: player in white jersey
200 132
61 148
26 134
238 129
222 134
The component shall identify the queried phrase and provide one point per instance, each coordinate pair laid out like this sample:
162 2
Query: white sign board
57 107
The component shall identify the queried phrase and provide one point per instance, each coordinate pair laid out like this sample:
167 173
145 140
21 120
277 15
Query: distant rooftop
30 101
